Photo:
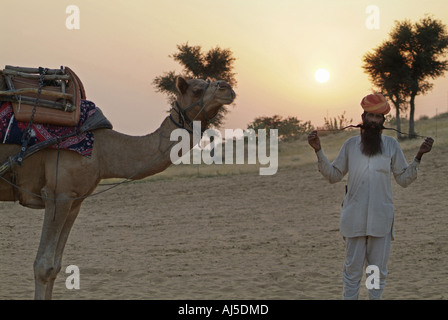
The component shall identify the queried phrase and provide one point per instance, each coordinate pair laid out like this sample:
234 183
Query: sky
121 46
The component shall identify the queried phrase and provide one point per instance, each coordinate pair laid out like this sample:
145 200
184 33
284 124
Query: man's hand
314 141
425 147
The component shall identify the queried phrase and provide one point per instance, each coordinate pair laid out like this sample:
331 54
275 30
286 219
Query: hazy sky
121 46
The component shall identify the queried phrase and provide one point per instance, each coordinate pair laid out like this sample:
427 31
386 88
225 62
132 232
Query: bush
337 123
290 128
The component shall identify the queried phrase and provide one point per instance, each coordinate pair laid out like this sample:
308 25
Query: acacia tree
216 64
403 66
389 73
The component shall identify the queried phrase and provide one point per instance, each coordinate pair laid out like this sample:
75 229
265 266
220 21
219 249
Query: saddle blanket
11 131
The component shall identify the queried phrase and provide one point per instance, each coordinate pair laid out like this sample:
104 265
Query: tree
388 71
216 64
403 65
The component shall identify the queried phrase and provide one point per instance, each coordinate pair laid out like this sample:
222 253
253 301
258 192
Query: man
367 214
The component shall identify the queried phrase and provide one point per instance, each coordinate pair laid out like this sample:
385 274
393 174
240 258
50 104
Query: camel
115 155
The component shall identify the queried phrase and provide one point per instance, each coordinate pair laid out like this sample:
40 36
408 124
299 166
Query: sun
322 75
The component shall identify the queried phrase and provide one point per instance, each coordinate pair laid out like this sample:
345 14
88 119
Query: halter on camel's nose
222 85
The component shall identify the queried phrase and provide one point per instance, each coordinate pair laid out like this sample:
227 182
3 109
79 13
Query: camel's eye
197 92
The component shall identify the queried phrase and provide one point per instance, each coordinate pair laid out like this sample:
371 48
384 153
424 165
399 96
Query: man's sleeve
335 171
404 174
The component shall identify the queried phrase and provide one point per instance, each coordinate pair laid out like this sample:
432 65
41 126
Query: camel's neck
123 156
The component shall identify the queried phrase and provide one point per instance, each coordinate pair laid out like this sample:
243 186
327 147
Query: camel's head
201 100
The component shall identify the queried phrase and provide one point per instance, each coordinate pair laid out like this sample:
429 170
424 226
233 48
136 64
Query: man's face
372 119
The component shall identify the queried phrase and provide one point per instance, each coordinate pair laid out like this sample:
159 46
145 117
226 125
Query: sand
241 236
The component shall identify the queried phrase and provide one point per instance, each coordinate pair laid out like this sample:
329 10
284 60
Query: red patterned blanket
11 131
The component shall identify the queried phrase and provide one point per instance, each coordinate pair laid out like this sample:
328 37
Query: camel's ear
181 85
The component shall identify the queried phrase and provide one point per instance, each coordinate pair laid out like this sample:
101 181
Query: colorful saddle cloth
11 131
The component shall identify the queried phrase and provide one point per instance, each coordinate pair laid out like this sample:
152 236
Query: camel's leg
63 237
46 267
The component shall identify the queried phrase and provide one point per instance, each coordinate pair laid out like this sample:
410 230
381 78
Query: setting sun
322 75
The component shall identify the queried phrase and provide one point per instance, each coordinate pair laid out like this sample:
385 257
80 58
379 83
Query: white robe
368 204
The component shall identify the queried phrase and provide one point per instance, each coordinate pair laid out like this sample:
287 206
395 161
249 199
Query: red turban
375 103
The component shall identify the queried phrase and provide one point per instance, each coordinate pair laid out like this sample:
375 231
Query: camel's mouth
233 94
228 95
225 93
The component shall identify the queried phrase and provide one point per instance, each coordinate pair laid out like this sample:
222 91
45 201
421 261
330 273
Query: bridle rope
182 113
382 127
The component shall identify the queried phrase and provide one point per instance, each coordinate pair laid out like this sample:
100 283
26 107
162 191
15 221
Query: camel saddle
53 95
